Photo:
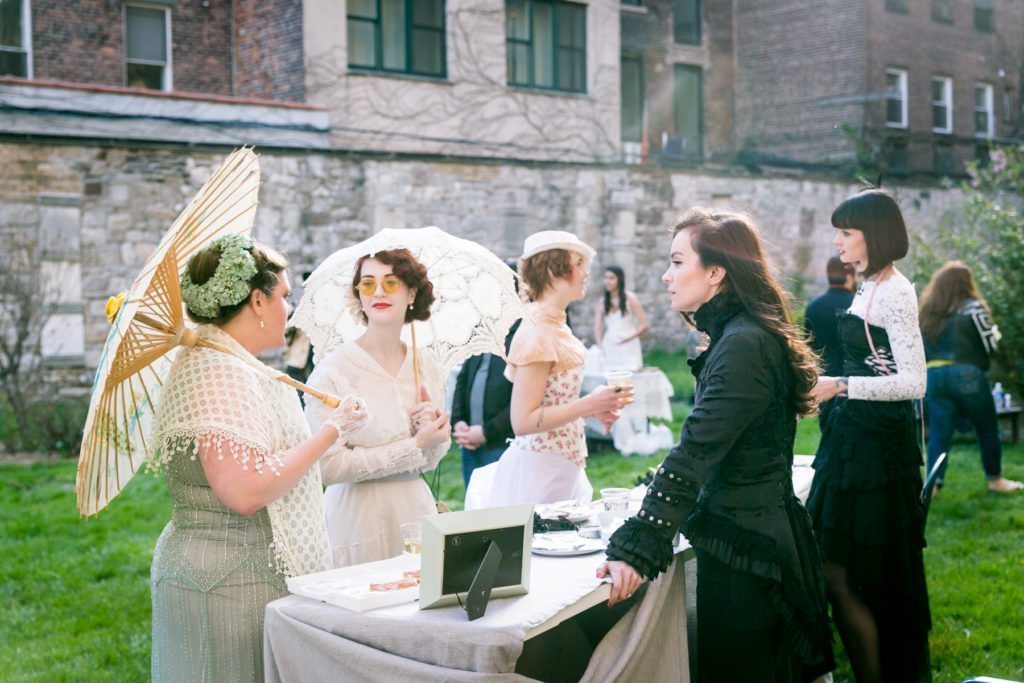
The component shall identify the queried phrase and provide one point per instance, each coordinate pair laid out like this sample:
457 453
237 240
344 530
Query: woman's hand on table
625 580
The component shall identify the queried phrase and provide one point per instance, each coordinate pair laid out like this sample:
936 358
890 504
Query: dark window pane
362 43
543 45
686 21
13 64
518 64
981 122
146 76
428 13
688 111
147 34
10 23
517 19
570 71
897 6
392 34
572 29
942 10
362 8
428 52
893 110
632 88
633 3
939 116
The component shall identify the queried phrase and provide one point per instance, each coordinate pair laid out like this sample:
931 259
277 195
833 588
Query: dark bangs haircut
410 271
875 213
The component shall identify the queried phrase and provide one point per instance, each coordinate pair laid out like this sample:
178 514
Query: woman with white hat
545 462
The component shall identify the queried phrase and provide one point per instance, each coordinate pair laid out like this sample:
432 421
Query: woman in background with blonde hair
959 338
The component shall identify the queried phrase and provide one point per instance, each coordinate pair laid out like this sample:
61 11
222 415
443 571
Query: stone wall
105 209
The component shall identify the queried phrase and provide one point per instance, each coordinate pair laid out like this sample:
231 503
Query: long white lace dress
373 476
621 356
215 570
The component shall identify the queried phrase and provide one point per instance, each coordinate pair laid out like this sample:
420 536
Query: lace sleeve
343 462
897 313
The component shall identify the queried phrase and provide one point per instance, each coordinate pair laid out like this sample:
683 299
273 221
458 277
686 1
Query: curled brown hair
540 270
203 264
410 271
730 241
950 286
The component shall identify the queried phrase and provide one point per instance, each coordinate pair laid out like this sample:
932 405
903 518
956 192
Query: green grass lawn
74 594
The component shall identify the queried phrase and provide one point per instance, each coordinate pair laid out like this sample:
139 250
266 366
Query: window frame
984 17
698 156
167 79
409 27
989 110
901 75
26 39
947 17
699 24
947 102
639 60
555 48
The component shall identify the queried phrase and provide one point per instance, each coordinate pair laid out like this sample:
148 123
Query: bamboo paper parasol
148 325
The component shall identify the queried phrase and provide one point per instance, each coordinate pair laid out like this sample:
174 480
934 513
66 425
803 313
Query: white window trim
168 80
947 100
901 75
26 36
989 91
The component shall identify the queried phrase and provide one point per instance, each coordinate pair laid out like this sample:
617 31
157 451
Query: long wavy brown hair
730 241
950 286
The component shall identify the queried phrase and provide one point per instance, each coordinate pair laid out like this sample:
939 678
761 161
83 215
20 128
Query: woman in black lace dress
760 591
865 498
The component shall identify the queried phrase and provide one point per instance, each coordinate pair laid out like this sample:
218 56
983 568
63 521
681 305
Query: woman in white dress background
373 476
545 462
619 323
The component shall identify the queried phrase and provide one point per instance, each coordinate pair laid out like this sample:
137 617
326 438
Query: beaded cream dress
215 570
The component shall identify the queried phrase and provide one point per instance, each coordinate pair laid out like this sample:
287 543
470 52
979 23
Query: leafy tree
987 233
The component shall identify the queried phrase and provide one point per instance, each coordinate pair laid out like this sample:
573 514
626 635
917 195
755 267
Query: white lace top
893 308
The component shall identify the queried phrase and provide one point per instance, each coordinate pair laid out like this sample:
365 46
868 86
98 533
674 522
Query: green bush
52 427
987 234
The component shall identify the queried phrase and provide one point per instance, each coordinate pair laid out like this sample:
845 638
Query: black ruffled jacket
728 482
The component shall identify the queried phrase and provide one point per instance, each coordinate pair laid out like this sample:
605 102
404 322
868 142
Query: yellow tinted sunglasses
368 285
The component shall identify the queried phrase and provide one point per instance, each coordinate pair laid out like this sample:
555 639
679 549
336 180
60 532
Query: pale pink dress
548 466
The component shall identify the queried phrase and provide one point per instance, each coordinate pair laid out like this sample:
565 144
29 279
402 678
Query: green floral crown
230 282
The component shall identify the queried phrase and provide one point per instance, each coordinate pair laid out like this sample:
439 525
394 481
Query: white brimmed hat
557 239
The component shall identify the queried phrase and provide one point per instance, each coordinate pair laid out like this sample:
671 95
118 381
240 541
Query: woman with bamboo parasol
238 459
373 475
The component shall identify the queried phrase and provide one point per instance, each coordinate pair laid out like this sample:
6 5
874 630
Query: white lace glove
348 416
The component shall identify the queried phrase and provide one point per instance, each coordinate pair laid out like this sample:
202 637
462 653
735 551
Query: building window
945 160
15 39
896 98
942 104
687 114
896 153
686 21
984 117
983 10
900 6
942 10
147 47
547 44
632 89
1007 104
400 36
632 3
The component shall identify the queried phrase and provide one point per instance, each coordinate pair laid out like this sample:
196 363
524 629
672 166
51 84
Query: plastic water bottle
1008 400
998 396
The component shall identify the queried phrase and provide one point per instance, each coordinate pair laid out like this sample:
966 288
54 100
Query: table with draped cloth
307 640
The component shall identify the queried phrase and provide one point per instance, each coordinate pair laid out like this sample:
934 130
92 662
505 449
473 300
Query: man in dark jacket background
822 317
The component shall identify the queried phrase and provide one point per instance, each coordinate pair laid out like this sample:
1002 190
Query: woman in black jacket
760 591
959 336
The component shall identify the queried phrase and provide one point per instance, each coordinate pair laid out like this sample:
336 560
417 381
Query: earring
410 307
262 326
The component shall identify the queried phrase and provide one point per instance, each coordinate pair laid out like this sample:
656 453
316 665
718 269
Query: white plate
565 544
572 513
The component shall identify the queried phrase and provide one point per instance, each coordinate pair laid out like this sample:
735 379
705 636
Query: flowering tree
987 234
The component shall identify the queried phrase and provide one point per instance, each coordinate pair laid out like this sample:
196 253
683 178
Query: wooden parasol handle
416 362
